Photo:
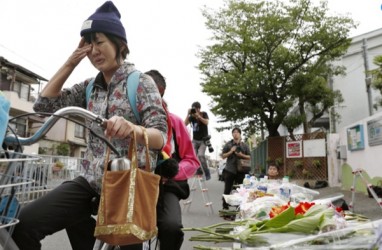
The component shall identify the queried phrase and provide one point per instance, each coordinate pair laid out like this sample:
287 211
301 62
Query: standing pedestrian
234 150
199 122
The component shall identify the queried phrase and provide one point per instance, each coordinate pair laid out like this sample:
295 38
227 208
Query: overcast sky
162 34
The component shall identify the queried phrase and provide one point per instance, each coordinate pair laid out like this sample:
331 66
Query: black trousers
69 207
229 180
169 222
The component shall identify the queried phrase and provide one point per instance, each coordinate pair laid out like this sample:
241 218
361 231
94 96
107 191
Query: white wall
369 159
352 85
32 149
17 103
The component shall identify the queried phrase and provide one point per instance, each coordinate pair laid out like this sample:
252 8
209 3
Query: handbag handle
132 155
133 148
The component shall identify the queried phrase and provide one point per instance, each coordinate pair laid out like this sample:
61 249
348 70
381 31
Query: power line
21 57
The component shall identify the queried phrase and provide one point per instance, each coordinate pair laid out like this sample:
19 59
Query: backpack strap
132 86
132 82
89 90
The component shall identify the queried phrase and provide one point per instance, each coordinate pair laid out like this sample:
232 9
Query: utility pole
332 112
367 75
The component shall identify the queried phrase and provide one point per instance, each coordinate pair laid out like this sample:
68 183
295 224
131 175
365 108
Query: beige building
21 86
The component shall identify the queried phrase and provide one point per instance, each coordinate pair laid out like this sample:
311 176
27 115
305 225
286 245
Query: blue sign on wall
355 138
374 131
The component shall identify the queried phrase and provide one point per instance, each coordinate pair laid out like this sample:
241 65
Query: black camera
238 149
208 143
193 110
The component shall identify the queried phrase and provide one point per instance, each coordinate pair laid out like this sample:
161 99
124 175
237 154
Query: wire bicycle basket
18 175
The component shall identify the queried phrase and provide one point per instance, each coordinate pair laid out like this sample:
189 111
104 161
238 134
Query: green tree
377 78
261 50
291 122
63 149
314 96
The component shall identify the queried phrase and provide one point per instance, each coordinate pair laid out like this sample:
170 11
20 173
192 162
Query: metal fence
37 171
274 149
51 175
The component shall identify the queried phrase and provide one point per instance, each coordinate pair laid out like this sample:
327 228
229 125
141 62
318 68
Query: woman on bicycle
69 206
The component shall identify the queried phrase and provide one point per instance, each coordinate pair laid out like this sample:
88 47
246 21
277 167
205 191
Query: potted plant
279 162
316 163
269 160
307 174
57 166
298 164
291 173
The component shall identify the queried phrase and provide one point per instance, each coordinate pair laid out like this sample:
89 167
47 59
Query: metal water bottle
119 164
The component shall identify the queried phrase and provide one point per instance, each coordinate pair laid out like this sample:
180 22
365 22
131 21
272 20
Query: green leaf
316 209
304 225
281 220
307 224
327 220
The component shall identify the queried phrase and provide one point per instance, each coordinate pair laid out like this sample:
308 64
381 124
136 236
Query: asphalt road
196 214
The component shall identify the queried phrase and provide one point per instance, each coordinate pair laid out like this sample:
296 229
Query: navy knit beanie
106 19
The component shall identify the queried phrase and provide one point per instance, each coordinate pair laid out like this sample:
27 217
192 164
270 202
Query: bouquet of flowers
298 222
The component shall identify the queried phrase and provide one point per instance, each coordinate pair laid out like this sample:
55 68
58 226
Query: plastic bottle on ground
253 181
247 181
263 185
285 189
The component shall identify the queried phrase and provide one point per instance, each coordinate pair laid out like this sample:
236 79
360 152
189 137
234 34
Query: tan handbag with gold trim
127 209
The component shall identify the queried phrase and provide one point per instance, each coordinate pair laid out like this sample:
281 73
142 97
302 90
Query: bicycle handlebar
12 140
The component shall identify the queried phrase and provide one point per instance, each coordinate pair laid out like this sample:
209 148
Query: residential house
21 86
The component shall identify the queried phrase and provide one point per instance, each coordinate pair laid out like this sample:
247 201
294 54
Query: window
79 131
22 89
19 126
16 86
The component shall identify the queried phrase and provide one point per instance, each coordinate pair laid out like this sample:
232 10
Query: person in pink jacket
169 216
189 162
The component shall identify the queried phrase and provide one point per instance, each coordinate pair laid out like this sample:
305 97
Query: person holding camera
200 138
233 150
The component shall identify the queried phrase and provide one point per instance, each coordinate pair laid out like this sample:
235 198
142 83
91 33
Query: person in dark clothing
233 150
199 122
